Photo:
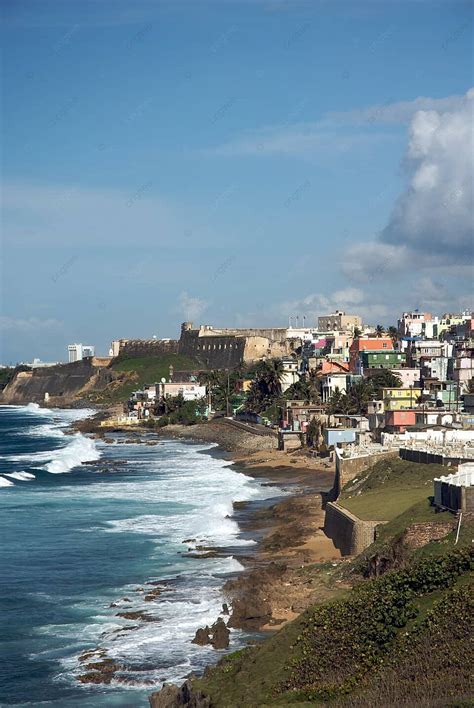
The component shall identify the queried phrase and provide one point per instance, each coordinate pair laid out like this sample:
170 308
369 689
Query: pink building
398 421
408 377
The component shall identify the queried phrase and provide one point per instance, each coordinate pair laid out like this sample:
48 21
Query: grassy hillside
389 488
393 641
137 371
401 639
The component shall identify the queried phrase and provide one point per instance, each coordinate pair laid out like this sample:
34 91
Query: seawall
349 534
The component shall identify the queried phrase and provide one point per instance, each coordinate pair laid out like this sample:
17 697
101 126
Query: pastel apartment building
396 399
381 359
367 344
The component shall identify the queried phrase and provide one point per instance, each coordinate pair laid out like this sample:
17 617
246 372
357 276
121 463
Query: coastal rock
250 613
220 634
176 696
152 595
202 636
100 672
92 653
136 615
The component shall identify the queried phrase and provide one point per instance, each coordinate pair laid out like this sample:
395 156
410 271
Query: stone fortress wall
229 348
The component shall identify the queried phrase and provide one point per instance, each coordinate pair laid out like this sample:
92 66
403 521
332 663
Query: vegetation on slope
401 639
389 488
138 371
343 652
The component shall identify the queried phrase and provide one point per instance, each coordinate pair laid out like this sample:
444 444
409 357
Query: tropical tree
379 331
359 395
393 333
339 403
357 333
265 389
383 378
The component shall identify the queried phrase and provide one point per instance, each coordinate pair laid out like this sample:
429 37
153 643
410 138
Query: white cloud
396 112
296 140
352 300
335 131
371 260
32 324
432 224
191 307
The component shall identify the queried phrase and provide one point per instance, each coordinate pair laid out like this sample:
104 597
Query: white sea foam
183 494
23 476
79 450
5 482
76 449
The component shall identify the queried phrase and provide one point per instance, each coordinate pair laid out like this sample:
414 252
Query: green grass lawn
389 488
144 370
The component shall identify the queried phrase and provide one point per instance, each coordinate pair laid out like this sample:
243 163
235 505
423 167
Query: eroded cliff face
63 383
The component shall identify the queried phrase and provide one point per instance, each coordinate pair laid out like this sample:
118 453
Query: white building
413 324
77 352
189 390
330 383
290 374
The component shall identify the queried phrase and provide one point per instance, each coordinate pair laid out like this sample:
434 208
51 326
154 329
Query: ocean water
76 538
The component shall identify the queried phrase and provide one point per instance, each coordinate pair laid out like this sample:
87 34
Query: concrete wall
349 534
349 468
427 458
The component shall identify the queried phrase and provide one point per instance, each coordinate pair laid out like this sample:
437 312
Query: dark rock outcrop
220 634
250 613
176 696
202 636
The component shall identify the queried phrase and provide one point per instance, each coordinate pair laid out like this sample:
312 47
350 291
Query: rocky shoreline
274 586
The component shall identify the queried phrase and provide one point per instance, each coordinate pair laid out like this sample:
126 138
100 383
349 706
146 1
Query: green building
381 359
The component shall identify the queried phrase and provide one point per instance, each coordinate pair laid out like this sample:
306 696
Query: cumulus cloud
191 307
352 300
432 221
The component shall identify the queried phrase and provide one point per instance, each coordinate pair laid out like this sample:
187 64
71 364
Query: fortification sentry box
456 491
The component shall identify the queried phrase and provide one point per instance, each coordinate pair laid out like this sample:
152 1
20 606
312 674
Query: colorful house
367 344
381 359
396 399
398 421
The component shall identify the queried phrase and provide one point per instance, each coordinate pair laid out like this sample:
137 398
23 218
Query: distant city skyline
231 163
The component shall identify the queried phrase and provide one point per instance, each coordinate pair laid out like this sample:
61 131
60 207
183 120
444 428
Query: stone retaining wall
350 467
349 534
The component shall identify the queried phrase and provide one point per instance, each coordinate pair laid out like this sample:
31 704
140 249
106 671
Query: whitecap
23 476
5 482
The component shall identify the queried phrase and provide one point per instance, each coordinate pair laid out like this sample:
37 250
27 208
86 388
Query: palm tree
357 333
379 331
269 376
360 394
393 333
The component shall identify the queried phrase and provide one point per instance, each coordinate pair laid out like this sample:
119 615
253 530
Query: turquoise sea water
75 538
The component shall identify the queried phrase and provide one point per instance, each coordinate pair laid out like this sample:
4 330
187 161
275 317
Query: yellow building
396 399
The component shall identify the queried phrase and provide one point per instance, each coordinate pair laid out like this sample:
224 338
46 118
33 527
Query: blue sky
231 163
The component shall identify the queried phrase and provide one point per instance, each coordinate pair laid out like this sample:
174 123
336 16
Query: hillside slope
400 637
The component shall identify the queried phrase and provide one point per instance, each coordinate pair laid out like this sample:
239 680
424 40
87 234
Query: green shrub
342 641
